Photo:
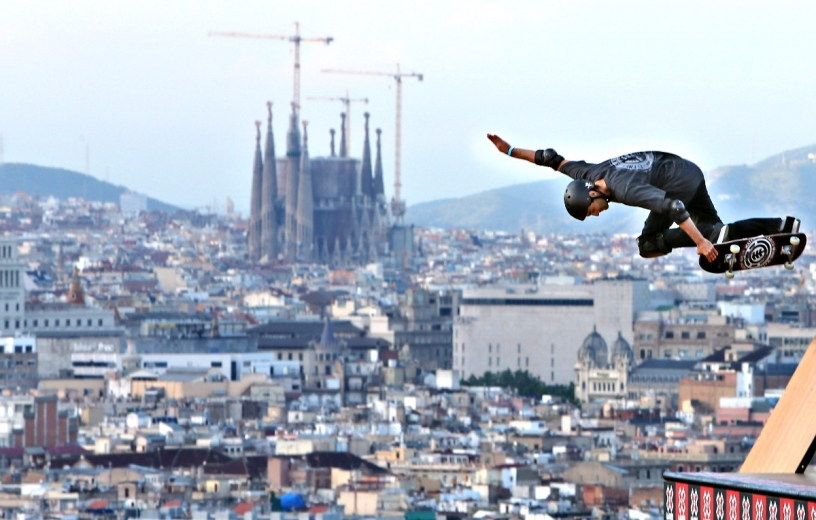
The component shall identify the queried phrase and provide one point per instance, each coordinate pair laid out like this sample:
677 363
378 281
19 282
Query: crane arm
249 35
257 36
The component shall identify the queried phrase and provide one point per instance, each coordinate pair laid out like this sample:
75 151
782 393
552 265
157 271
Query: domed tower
595 347
622 354
592 355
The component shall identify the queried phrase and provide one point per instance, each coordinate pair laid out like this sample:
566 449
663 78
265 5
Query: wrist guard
676 210
549 158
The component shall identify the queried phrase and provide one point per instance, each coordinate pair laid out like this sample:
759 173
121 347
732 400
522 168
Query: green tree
524 383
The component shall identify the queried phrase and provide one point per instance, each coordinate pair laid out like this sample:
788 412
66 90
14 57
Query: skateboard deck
756 252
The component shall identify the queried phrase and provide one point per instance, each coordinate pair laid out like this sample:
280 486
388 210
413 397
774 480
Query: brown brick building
46 425
706 388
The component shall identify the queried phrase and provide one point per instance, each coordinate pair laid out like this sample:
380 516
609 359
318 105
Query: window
701 334
683 353
45 323
669 334
667 353
16 324
215 364
290 356
100 322
518 348
90 322
490 361
328 370
685 334
79 322
527 362
29 349
56 323
700 353
300 356
490 347
35 323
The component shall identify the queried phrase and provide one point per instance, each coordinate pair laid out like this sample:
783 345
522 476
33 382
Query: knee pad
652 246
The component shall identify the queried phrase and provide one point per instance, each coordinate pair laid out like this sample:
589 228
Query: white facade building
541 328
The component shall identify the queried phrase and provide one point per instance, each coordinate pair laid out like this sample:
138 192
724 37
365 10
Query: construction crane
346 101
295 38
397 204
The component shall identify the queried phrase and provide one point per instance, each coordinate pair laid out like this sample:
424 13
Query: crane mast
296 39
397 204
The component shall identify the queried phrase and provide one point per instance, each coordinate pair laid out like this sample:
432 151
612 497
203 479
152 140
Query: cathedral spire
366 180
254 235
269 223
292 176
305 203
379 184
343 151
331 132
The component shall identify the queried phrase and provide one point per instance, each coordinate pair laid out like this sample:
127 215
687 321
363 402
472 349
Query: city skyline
140 95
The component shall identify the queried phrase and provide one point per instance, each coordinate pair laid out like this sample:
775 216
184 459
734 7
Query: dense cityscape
154 366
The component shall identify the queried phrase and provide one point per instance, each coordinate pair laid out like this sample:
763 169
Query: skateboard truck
731 259
789 251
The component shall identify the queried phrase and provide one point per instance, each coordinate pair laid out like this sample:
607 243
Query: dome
594 348
621 349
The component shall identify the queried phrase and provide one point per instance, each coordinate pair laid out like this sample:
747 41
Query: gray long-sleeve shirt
643 179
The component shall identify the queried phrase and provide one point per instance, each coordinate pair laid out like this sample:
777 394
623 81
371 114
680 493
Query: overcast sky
168 111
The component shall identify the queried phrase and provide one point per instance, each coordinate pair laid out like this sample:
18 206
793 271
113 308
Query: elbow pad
548 157
676 210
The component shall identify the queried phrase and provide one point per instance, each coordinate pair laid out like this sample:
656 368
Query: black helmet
577 198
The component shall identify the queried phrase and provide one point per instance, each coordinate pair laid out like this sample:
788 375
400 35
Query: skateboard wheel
794 241
735 248
789 266
729 274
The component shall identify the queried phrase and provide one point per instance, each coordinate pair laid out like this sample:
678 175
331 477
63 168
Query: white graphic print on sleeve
634 161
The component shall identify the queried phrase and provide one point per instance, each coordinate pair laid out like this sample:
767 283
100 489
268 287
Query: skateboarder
672 188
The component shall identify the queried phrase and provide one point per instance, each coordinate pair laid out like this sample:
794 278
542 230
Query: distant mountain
62 184
774 187
535 206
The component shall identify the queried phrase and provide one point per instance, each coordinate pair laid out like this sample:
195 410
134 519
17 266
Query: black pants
704 215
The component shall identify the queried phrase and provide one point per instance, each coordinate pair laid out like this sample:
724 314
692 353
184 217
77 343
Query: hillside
774 187
62 184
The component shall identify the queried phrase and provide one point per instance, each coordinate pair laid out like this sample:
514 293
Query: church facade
330 210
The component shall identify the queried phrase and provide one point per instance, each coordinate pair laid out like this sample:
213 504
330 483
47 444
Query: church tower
254 234
292 178
366 179
269 226
305 204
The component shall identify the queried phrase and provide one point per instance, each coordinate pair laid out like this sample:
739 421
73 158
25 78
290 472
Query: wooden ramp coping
771 484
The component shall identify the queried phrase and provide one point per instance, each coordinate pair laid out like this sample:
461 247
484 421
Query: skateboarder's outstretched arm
518 153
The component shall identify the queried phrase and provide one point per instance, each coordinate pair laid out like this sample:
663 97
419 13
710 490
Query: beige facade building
683 335
601 373
540 328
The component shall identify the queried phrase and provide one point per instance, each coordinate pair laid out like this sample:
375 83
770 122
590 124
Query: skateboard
756 252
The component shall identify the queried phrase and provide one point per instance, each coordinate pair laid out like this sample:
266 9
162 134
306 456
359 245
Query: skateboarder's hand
707 249
500 143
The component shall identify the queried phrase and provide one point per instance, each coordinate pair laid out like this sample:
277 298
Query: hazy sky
168 111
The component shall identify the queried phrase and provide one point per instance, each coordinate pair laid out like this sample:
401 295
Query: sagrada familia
330 210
